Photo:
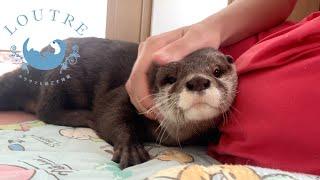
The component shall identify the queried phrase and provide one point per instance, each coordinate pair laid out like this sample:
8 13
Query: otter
191 95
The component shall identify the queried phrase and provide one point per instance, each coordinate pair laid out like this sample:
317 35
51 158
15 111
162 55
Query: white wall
171 14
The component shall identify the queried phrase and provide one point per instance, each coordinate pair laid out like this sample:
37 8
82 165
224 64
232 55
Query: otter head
189 94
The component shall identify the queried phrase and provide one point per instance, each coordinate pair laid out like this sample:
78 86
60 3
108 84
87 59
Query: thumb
177 50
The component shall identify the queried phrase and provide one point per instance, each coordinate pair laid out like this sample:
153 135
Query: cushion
275 119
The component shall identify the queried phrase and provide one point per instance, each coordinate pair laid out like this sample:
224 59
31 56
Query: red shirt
275 121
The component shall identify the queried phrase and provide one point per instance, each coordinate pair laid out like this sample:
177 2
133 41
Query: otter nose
198 84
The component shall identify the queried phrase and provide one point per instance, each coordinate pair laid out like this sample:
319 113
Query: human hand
162 49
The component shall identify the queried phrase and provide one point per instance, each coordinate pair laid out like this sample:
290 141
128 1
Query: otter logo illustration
45 60
57 55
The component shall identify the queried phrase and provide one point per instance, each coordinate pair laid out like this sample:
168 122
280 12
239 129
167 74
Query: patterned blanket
37 151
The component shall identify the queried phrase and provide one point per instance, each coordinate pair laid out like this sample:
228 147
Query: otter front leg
128 150
118 123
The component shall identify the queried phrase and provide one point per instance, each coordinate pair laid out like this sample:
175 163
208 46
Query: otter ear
230 59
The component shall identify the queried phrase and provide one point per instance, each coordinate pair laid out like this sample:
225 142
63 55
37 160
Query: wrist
212 34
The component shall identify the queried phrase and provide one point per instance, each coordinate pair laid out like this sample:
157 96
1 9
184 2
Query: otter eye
169 80
217 72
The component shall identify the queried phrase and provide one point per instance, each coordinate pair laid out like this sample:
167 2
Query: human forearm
246 17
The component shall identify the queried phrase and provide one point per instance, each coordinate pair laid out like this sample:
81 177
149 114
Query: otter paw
129 155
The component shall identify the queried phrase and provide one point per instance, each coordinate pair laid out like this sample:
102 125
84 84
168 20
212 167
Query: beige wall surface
123 20
128 20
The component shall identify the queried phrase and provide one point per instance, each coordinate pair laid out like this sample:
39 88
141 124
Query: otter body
188 94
